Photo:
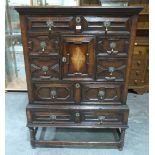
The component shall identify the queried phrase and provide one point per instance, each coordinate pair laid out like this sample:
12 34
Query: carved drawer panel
50 24
45 68
111 69
43 45
53 93
61 117
112 46
99 93
109 25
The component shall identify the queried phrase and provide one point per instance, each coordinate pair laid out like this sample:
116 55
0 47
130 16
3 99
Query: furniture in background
77 67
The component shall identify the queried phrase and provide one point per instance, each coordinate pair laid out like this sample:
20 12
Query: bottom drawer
78 116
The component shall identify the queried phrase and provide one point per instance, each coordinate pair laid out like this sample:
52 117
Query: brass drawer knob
107 25
43 45
111 70
53 93
50 24
138 62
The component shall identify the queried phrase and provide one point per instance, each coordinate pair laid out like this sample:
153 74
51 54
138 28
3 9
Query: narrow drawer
77 116
45 68
99 24
137 74
53 93
136 82
50 24
112 46
138 63
111 69
40 45
101 93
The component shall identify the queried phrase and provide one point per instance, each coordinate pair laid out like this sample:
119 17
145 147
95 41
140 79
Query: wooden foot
32 137
121 143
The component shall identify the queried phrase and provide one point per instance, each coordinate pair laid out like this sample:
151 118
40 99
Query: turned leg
122 136
32 136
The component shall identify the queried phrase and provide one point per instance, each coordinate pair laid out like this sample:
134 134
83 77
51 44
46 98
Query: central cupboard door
78 57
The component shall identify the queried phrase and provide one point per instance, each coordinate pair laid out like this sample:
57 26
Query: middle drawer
77 93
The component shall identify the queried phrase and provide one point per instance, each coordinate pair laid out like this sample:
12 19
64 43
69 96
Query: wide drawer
111 69
77 116
112 45
90 93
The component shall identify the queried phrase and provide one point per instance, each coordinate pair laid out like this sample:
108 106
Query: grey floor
17 134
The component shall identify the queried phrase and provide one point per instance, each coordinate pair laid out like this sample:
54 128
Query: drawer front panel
53 93
138 64
78 117
111 69
136 82
137 74
63 24
99 24
112 46
45 68
43 45
98 93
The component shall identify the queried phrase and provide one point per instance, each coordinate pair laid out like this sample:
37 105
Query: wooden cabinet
77 66
139 73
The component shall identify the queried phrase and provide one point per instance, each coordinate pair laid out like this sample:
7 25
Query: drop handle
101 94
107 25
101 119
52 117
43 46
53 94
50 24
112 46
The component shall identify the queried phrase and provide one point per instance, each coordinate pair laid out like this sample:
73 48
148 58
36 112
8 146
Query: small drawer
136 82
137 74
44 68
111 69
101 93
112 46
53 93
40 45
138 64
50 24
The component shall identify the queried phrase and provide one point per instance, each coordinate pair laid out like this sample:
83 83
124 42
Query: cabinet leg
122 136
32 137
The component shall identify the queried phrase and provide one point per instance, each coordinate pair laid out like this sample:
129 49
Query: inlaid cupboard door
78 57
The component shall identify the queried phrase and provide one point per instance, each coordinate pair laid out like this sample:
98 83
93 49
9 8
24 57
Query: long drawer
77 93
77 115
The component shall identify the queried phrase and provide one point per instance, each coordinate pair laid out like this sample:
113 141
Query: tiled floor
17 134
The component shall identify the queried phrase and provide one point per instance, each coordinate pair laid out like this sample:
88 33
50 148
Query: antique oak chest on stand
77 63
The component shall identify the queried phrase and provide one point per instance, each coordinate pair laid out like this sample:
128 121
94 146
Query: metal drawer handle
111 70
44 69
110 78
101 94
50 24
101 119
107 25
43 45
52 117
112 46
53 93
